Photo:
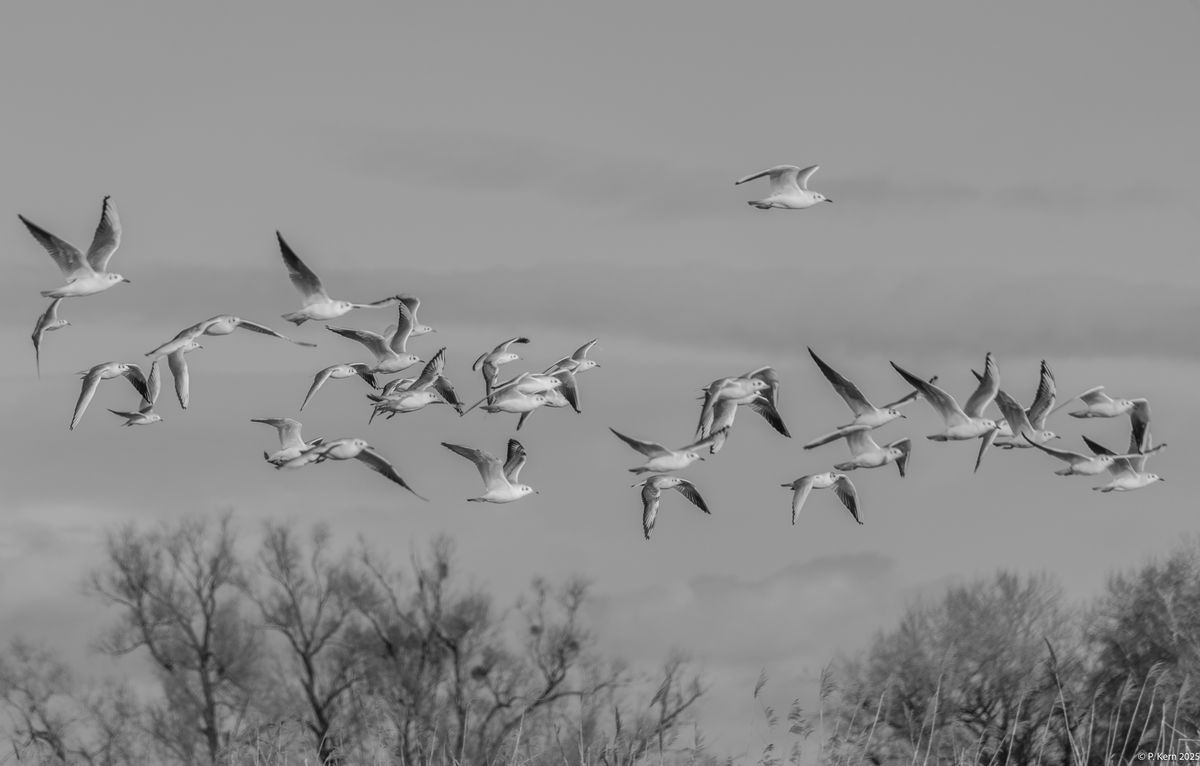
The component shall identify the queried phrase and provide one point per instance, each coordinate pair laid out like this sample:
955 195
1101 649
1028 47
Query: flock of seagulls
1011 426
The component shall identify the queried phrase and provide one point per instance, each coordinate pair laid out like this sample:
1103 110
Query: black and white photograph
670 383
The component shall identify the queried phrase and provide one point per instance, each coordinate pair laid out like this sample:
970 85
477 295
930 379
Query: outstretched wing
289 430
1065 455
1139 421
801 489
1043 400
688 490
515 462
940 400
107 237
489 467
308 283
432 371
986 391
582 352
404 327
783 177
848 391
379 464
649 449
68 258
254 327
374 343
845 491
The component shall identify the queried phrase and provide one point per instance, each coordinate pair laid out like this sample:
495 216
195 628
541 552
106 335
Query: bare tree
177 588
56 719
309 598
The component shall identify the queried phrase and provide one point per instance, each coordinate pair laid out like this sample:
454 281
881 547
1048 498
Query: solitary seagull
346 449
179 372
222 324
291 444
664 459
317 303
85 275
145 414
499 481
866 453
758 389
962 423
789 188
391 354
842 487
338 372
489 363
1129 472
1079 464
432 387
652 488
865 413
106 371
48 321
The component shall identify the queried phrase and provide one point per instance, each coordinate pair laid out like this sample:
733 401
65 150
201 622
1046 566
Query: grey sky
566 172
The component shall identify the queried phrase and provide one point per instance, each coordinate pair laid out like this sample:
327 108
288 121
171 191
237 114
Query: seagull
1038 412
391 353
489 363
1021 424
85 275
432 387
338 372
664 459
576 362
1083 465
515 402
179 371
345 449
413 303
962 423
48 321
145 414
1129 472
789 188
499 481
566 395
1099 404
526 384
865 413
317 303
106 371
866 453
291 444
652 488
758 389
222 324
842 487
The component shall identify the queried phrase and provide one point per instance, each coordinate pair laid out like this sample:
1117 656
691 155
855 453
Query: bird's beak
537 492
702 458
1056 436
597 365
828 200
127 280
904 416
1162 478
